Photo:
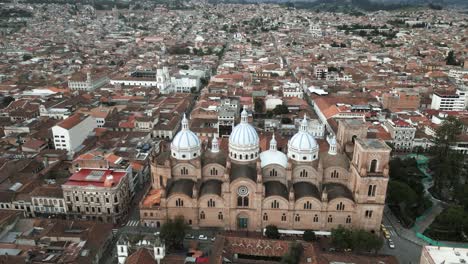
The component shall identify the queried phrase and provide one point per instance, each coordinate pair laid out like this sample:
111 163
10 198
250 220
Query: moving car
202 237
391 244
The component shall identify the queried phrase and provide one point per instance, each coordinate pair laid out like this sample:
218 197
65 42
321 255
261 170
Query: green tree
173 232
446 162
258 105
27 57
341 237
451 59
271 231
364 241
294 254
280 110
309 235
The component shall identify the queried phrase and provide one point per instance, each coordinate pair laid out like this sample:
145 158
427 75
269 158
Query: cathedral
245 189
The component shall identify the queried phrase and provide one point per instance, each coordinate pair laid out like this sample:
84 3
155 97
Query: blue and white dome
303 146
185 145
243 141
273 156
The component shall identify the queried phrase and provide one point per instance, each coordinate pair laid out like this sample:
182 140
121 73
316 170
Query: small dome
303 146
185 144
273 156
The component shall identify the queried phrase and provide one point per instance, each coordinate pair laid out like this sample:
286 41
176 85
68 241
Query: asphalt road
405 251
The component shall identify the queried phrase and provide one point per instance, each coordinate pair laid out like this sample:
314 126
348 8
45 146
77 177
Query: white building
48 200
185 83
272 101
88 84
70 133
402 134
446 255
125 248
293 90
163 81
449 101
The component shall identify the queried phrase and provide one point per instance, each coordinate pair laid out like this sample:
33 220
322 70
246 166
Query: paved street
405 250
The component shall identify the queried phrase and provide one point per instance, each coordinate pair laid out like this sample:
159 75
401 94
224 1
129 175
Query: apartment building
449 101
98 194
70 133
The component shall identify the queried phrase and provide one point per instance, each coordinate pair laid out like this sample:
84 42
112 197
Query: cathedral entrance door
242 222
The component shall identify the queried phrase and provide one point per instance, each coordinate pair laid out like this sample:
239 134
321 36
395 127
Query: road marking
133 223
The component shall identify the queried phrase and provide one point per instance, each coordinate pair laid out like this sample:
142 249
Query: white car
202 237
391 244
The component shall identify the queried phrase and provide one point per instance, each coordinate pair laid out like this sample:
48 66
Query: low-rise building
98 194
435 254
402 134
449 101
48 201
88 82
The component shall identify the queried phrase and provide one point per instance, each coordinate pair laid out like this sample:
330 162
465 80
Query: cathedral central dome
185 145
243 141
303 146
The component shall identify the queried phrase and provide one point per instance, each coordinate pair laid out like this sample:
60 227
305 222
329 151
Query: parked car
391 244
189 236
213 239
202 237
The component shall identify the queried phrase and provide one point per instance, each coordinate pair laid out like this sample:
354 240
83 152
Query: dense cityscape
203 132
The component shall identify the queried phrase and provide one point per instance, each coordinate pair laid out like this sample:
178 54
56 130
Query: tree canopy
271 231
359 240
173 232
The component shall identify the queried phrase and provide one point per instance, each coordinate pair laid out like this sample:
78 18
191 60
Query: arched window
307 205
183 171
368 213
213 172
303 174
273 172
211 203
243 201
274 204
220 216
348 219
179 202
283 217
265 217
252 156
316 218
202 215
371 190
246 156
334 174
373 166
330 219
340 206
297 218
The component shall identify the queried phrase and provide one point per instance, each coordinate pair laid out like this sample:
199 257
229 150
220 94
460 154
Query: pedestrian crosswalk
133 223
115 231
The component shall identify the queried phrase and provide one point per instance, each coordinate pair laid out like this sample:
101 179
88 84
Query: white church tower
163 81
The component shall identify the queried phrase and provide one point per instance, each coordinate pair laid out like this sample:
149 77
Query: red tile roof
95 177
72 121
